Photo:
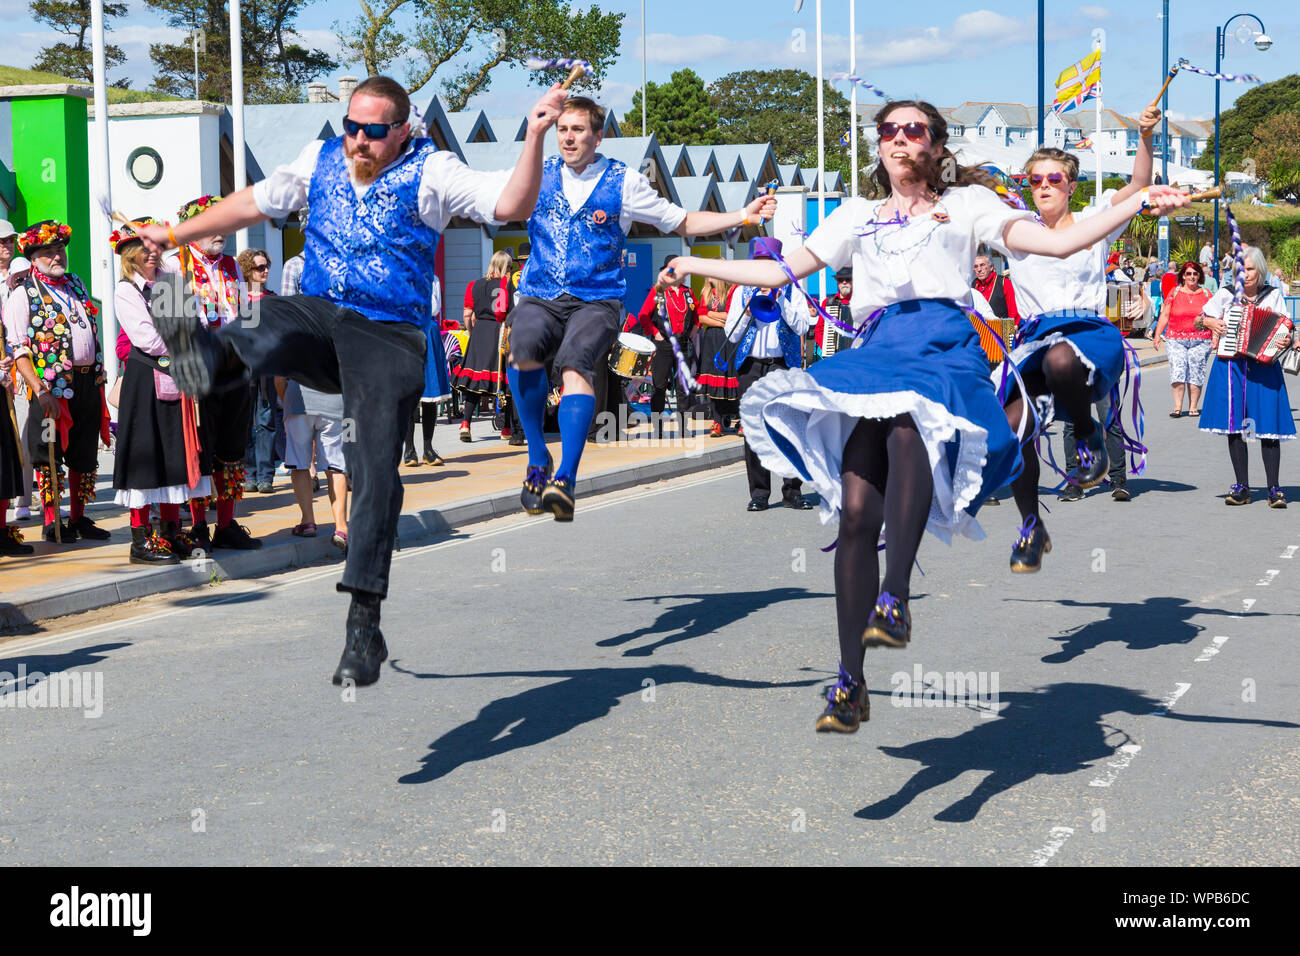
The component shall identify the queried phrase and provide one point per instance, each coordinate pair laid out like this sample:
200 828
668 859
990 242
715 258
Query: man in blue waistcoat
571 292
379 201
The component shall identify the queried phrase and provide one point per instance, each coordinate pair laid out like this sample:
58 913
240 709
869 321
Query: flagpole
853 101
102 278
1096 143
237 110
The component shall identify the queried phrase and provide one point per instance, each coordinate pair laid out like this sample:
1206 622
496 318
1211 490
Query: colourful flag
1076 98
1085 143
1077 83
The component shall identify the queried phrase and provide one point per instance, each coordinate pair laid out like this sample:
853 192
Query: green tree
1238 124
276 68
1275 153
678 111
72 18
780 107
462 41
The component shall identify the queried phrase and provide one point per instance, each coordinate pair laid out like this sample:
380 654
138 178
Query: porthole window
145 167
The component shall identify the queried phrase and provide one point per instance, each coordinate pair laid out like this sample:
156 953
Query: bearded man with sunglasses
380 200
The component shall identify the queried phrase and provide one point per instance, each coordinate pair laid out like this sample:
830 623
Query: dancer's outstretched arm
1023 235
761 273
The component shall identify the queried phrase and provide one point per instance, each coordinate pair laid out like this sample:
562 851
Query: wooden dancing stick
1173 71
54 490
576 72
1206 194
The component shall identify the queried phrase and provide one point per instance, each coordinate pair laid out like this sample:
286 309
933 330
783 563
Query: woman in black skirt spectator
482 372
717 378
150 464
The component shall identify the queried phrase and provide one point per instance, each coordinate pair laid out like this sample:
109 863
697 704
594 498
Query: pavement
640 686
480 481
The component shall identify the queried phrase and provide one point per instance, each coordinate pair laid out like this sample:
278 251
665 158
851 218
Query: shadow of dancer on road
541 713
1145 625
1058 729
702 614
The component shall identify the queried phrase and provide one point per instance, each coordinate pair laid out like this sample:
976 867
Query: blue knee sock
576 413
529 390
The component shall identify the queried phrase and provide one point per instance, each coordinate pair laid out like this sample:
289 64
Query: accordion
832 338
1254 333
1004 327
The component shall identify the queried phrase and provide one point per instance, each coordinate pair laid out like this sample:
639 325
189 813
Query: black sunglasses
373 130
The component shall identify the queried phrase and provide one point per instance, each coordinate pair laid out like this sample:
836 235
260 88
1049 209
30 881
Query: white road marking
1058 836
613 499
1167 704
1246 605
1267 579
1290 551
1126 753
1213 648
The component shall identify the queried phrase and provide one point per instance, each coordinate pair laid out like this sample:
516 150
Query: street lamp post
1262 42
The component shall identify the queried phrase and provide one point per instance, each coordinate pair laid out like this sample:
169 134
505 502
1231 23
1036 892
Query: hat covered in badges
196 206
125 234
47 232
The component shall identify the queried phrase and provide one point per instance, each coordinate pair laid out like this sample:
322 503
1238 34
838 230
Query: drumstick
576 67
576 72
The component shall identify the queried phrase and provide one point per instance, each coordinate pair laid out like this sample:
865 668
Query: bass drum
632 356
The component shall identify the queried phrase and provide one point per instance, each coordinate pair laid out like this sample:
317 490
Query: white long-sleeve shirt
767 343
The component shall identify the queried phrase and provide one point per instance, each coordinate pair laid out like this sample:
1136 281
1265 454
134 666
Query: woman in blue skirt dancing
905 430
1065 346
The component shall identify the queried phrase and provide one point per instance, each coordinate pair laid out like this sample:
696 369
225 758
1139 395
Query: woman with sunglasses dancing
904 430
380 199
1066 347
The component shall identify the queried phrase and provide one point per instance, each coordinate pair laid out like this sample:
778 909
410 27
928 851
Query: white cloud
1094 13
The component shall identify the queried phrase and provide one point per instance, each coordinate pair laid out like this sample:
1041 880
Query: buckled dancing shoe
1238 495
200 538
1276 498
558 498
11 542
847 706
1093 461
1033 543
148 547
535 480
182 545
890 624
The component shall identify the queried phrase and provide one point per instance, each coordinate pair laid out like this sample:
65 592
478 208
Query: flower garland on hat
44 233
193 208
125 234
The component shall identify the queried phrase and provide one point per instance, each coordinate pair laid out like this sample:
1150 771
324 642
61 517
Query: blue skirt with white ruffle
920 358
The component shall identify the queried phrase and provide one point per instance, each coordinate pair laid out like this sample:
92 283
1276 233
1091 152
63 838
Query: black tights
1271 451
427 413
886 481
1066 378
471 407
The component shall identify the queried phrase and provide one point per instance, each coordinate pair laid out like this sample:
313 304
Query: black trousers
82 453
379 369
760 479
663 374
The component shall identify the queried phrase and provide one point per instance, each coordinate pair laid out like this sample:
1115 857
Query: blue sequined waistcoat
372 254
579 253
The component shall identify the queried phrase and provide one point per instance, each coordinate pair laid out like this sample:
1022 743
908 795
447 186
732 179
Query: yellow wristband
171 236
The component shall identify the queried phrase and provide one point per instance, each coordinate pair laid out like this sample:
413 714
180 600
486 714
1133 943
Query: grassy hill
16 76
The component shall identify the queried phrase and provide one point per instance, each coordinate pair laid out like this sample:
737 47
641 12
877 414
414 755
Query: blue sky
943 51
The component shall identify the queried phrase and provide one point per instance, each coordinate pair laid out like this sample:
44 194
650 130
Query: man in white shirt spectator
762 347
1206 257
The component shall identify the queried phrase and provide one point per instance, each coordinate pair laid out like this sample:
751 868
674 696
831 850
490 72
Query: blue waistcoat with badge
576 253
791 345
373 254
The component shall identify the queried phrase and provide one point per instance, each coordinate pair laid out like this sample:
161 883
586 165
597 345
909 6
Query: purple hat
762 247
